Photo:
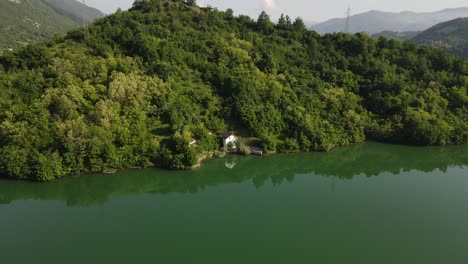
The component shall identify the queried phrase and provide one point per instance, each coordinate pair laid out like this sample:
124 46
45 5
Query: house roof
227 134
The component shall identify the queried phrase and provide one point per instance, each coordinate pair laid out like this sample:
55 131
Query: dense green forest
136 88
451 36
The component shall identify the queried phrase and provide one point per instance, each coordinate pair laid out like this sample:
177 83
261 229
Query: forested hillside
397 35
26 21
74 10
451 35
142 84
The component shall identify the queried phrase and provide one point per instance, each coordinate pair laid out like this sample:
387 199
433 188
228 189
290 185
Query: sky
309 10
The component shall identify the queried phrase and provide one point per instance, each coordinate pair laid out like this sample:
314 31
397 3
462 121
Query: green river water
367 203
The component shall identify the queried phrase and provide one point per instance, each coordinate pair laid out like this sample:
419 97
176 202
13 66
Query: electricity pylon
85 21
348 16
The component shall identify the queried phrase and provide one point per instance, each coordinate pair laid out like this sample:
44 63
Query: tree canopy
142 84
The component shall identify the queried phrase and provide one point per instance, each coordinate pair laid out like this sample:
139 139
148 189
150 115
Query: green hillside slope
397 35
451 35
25 21
144 83
73 9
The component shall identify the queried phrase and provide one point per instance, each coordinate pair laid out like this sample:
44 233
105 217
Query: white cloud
270 4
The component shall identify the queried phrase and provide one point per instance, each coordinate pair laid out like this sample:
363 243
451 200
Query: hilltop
375 21
26 21
142 84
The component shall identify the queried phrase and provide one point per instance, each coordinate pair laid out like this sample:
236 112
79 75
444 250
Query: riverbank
221 154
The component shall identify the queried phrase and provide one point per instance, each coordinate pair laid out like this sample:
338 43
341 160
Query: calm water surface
368 203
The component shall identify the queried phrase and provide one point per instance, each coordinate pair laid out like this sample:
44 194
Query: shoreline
213 155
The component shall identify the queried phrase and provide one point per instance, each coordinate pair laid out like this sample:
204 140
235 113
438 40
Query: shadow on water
369 159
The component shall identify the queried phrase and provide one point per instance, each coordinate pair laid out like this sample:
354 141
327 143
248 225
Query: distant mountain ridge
25 21
374 22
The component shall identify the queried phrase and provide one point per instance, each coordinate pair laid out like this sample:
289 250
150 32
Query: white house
229 137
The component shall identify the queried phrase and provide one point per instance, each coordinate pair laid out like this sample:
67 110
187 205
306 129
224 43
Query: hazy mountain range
24 21
377 21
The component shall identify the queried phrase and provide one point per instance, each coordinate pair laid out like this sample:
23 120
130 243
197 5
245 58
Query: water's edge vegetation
138 86
359 160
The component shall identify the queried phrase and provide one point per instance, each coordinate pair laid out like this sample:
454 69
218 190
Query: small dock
256 151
